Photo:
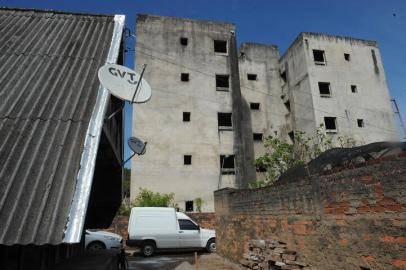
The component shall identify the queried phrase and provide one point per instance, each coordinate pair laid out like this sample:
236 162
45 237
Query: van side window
185 224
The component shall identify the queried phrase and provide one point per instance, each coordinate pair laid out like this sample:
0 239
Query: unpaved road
178 261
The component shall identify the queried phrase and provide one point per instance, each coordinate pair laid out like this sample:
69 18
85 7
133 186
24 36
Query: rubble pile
271 255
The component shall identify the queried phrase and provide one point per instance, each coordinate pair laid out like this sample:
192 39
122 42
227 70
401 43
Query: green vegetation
148 198
198 203
126 182
280 155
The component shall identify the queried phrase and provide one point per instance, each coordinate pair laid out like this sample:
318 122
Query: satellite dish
136 145
122 81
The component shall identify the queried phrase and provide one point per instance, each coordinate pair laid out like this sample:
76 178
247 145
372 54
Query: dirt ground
180 261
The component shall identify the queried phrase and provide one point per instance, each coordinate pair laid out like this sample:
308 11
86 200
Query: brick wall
349 219
205 220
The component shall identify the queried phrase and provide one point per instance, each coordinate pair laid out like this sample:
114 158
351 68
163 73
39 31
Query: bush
147 198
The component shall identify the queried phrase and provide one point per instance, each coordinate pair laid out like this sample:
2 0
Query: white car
97 240
152 228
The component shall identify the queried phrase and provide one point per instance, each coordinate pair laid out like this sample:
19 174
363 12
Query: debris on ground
271 254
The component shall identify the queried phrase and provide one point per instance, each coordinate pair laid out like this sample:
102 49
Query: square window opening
222 82
227 164
188 208
319 57
187 160
220 46
252 77
283 76
347 57
324 88
360 123
254 106
224 121
184 77
183 41
354 89
257 136
186 116
330 124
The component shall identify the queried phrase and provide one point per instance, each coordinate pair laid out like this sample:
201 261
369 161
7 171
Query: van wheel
148 249
211 246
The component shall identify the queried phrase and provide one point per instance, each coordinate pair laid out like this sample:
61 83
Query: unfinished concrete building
338 82
212 105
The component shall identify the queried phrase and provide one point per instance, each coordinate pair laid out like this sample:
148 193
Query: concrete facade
161 121
181 122
359 98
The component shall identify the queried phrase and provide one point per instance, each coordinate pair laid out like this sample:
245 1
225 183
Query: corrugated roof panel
48 88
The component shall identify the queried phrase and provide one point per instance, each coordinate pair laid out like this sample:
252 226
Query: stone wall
349 219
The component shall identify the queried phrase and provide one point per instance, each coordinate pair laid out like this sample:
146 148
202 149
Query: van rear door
189 234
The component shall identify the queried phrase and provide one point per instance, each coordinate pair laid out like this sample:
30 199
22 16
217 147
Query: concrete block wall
351 219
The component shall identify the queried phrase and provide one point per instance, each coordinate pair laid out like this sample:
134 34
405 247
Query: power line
255 90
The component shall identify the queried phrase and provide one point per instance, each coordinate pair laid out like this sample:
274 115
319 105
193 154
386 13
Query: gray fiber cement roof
48 87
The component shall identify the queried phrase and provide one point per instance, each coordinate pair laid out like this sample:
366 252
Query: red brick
399 263
393 239
343 242
368 258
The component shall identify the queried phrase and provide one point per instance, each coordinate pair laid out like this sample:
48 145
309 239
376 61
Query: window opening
227 164
220 46
186 116
254 106
252 77
319 57
224 121
257 136
324 89
188 208
187 160
222 83
183 41
184 77
330 124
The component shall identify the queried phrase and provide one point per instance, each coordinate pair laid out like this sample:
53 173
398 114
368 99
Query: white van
152 228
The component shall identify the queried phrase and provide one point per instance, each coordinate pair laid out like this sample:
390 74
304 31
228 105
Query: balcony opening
354 89
220 46
347 57
360 123
227 164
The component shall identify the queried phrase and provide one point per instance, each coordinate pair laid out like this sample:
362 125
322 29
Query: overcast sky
274 22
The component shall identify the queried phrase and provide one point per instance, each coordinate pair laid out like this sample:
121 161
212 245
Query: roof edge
78 209
58 12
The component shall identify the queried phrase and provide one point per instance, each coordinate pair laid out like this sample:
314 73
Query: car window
185 224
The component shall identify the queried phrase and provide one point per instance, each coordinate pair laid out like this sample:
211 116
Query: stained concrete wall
350 219
365 70
271 118
159 121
